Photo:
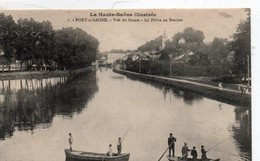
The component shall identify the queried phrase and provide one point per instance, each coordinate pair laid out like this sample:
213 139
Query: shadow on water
187 96
29 104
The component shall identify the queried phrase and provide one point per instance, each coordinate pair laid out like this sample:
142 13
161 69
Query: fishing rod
122 139
127 132
166 150
184 156
104 158
217 144
207 150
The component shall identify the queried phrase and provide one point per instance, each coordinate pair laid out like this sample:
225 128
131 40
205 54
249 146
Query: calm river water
37 115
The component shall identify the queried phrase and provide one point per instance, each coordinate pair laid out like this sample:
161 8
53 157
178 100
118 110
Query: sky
213 23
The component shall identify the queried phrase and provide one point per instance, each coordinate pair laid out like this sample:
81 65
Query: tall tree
44 44
152 45
35 42
8 36
190 35
218 51
74 48
190 40
27 41
242 46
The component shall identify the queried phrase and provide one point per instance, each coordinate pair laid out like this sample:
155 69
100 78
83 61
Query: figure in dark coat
171 145
194 154
184 151
203 154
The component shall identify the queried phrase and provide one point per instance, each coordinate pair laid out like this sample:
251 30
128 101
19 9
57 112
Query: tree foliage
218 51
190 40
152 45
37 43
74 48
194 57
8 36
242 46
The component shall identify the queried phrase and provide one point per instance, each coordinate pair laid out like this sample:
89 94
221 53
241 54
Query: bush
227 79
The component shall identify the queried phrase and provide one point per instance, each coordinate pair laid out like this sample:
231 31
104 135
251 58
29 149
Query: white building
112 57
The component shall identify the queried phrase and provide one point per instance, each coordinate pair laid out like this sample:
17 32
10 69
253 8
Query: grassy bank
42 74
225 95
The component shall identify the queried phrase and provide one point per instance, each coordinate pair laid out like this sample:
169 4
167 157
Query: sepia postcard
125 85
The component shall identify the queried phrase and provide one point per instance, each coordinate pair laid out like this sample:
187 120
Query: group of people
185 150
243 89
110 150
119 148
171 144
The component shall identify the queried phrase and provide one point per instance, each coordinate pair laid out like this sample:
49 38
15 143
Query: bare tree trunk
21 66
9 67
26 65
41 64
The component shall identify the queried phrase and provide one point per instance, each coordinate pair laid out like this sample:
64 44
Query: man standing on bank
171 145
119 146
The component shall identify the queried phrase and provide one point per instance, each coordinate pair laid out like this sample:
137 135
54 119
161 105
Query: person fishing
203 153
119 146
70 140
171 145
184 151
194 154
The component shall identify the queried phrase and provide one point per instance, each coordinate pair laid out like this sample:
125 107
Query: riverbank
225 95
43 74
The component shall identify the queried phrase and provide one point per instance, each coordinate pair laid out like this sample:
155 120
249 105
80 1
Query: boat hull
189 159
74 155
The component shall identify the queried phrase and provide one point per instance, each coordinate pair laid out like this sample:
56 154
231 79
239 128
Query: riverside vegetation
37 45
186 54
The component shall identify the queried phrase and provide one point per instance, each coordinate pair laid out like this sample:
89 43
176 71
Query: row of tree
38 43
218 58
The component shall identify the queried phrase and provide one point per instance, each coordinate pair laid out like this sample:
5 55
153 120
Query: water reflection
242 132
100 107
188 97
28 104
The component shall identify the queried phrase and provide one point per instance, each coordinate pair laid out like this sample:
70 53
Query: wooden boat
189 159
74 155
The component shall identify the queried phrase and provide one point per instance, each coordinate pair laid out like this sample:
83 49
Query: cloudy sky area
220 23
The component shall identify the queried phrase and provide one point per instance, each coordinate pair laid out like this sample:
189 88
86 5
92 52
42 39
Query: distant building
112 57
102 61
183 58
103 58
